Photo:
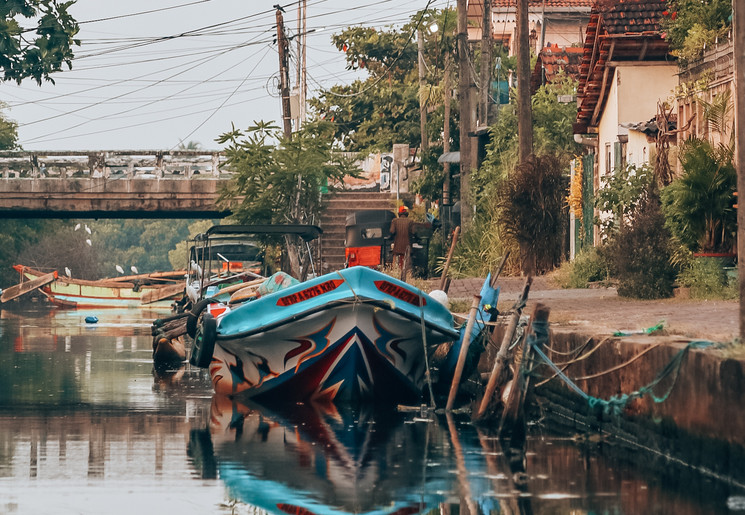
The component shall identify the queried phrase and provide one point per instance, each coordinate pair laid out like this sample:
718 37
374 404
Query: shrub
533 213
699 206
620 195
587 266
707 280
640 253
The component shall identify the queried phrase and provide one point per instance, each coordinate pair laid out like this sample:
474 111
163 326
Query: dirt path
602 311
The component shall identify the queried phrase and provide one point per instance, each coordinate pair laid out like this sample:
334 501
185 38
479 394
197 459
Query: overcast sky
151 74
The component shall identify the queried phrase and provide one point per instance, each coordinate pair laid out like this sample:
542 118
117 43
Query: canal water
88 427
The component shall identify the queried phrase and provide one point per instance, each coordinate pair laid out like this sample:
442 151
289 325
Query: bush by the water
640 254
586 267
707 280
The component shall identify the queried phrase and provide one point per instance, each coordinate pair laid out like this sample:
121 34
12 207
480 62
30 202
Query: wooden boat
355 334
153 290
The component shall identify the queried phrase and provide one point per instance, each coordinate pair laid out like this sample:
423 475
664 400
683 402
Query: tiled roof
553 60
631 16
619 30
548 3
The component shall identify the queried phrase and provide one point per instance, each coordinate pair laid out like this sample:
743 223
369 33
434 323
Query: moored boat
154 290
355 334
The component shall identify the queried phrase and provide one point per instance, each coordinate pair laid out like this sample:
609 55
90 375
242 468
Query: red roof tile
553 60
548 3
631 16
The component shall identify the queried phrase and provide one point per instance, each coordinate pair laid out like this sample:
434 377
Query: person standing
401 230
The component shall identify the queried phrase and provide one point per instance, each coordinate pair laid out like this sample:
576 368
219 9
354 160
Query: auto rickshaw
368 241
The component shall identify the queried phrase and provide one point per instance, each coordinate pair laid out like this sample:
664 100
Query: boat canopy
306 232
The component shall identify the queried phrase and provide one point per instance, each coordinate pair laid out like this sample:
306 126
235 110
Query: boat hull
70 293
353 342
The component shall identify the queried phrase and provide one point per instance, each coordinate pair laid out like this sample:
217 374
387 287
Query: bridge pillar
216 165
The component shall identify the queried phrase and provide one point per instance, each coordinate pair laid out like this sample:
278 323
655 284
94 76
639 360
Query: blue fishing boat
355 334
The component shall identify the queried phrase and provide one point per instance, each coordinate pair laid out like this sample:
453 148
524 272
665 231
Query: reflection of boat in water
154 290
317 460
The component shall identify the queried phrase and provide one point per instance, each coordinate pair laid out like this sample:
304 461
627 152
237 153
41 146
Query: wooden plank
161 293
23 288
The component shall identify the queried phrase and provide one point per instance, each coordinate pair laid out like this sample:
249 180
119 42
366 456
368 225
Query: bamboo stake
501 357
463 352
513 417
493 282
445 269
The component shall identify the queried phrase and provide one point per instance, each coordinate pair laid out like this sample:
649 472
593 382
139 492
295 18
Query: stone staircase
334 218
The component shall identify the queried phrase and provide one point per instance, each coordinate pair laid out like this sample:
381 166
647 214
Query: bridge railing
175 164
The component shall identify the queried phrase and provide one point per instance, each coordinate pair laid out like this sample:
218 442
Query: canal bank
676 394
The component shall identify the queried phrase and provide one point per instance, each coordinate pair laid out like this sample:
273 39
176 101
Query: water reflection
88 426
321 459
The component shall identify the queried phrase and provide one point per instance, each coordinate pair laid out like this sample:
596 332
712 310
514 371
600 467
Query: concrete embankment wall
700 423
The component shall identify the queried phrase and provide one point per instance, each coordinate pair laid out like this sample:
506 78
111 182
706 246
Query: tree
691 25
383 109
8 131
280 181
374 113
23 56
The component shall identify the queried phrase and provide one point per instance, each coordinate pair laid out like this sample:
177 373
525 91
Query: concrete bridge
111 184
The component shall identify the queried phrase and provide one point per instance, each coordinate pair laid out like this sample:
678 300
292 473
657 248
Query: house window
608 159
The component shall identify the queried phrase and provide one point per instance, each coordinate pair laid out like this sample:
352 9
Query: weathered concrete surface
108 197
705 394
701 422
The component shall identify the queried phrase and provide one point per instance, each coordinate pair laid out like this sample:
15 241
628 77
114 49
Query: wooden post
463 352
738 31
465 104
486 51
524 115
443 277
502 355
446 97
513 418
422 108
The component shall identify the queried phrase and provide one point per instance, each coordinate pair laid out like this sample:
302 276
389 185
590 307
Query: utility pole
738 30
446 133
465 104
486 54
302 45
284 74
524 114
422 106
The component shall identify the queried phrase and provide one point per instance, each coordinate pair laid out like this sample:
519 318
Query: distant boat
158 289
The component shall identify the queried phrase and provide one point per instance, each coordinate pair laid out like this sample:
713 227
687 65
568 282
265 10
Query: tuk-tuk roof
370 216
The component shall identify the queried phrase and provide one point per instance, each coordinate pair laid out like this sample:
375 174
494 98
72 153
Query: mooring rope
617 403
571 362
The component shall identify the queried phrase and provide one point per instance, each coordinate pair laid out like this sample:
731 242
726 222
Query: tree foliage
373 113
552 134
620 195
36 53
699 206
690 25
280 180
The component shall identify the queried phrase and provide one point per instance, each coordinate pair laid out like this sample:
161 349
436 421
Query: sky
151 75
